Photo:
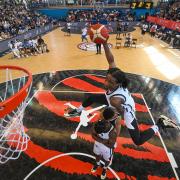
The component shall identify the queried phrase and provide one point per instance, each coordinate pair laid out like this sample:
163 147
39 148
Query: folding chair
127 42
134 42
118 42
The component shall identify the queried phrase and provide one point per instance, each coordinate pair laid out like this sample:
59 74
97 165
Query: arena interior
49 39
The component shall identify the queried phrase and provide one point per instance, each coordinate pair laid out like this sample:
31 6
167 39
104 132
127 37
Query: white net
13 139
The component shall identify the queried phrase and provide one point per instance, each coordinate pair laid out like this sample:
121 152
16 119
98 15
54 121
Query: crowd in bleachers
92 3
17 19
29 47
171 37
90 15
170 11
104 2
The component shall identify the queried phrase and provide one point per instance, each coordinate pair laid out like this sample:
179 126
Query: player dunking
105 136
118 96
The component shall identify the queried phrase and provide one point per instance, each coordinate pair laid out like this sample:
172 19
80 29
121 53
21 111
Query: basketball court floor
63 77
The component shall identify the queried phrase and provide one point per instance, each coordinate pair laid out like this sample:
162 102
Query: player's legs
89 100
137 136
106 165
165 122
69 31
86 38
107 154
83 37
97 163
94 98
16 53
97 154
97 48
140 137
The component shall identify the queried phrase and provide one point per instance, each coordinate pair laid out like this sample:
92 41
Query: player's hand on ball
98 33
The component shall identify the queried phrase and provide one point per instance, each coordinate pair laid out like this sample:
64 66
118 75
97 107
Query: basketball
98 33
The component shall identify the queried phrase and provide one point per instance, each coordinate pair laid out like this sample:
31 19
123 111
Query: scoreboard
146 5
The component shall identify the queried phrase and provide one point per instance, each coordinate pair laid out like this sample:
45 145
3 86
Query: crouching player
104 134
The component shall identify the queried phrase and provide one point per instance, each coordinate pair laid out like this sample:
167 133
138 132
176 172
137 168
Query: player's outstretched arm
109 56
112 139
118 125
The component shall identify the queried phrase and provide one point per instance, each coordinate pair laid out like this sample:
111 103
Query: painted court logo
90 46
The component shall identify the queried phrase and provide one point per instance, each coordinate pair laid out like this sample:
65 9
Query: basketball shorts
84 37
129 117
104 151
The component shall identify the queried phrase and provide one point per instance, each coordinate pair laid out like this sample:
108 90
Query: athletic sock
155 128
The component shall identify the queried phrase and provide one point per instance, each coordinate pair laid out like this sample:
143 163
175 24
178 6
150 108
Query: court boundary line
75 76
67 154
64 154
164 146
161 139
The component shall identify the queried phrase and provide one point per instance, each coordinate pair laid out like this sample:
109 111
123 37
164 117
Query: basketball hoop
13 101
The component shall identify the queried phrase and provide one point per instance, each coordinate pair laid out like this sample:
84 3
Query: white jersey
10 45
18 45
128 105
34 42
30 42
105 135
145 27
84 32
124 94
68 25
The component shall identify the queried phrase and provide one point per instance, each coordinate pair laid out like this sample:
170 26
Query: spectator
153 30
42 46
14 49
144 28
68 26
98 48
84 34
16 19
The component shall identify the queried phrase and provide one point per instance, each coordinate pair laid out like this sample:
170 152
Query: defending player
104 134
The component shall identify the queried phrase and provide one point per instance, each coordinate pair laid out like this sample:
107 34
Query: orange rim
12 102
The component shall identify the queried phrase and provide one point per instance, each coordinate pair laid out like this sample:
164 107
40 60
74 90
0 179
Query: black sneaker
103 175
73 113
164 122
94 168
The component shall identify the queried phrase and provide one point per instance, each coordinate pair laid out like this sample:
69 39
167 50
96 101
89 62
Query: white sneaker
72 113
94 168
103 175
165 122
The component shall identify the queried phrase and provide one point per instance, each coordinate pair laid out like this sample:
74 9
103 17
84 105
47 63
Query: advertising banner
164 22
